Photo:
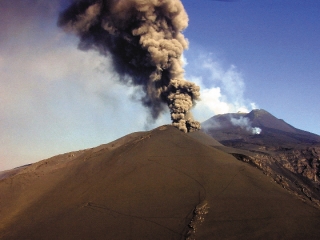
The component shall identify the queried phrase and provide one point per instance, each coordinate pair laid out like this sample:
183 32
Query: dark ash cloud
145 41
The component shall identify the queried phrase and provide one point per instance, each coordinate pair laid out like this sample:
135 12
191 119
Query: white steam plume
222 88
246 124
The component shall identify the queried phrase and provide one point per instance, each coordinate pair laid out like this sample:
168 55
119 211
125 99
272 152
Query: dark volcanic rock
161 184
289 155
275 133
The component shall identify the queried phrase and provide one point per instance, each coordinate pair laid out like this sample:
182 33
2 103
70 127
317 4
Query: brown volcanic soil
161 184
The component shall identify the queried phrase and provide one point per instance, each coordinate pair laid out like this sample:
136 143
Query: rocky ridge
290 156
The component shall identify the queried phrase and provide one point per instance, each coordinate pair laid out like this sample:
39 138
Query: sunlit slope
151 185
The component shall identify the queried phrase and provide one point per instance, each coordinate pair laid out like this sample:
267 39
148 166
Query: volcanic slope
236 129
289 155
161 184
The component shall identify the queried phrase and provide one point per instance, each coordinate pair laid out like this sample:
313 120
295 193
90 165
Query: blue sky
244 54
273 44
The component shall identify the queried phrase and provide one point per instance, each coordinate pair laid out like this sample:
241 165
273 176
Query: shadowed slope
153 185
289 155
236 127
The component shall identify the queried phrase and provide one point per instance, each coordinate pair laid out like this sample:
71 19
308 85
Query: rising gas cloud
145 40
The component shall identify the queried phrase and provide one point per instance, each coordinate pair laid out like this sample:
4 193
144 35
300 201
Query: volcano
160 184
236 128
289 155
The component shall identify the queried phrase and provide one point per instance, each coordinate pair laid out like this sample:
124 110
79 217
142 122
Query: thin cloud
222 88
54 97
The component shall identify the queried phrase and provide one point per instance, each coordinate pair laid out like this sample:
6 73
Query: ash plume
144 38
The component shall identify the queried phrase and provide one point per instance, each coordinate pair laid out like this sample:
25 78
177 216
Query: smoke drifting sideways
245 123
237 121
145 41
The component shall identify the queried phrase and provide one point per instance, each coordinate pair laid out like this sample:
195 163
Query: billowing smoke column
145 40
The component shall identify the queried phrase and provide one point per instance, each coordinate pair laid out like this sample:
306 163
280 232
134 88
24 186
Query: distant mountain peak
263 119
287 154
258 113
240 125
